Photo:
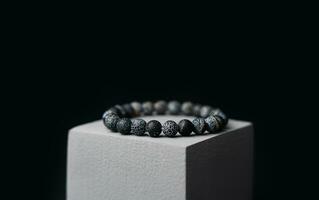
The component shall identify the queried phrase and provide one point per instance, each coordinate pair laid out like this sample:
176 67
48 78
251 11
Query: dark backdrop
74 72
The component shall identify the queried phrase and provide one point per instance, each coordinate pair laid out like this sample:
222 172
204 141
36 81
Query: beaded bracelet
208 119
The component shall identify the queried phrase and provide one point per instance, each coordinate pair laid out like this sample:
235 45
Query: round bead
154 128
160 107
212 124
174 107
222 115
205 110
138 127
196 110
187 108
220 122
128 110
199 126
124 126
120 110
108 112
137 107
186 127
113 110
110 121
170 128
147 108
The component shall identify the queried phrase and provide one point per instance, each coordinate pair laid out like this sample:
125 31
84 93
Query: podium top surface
97 128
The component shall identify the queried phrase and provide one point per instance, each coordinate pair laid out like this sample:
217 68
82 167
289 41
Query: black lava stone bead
114 110
138 127
108 112
199 126
110 121
170 128
186 127
154 128
124 126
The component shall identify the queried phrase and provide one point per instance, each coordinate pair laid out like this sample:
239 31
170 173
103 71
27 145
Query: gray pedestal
109 166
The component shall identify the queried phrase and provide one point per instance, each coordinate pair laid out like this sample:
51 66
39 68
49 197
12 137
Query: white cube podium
109 166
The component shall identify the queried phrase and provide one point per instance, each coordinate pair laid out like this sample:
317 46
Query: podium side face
221 168
109 166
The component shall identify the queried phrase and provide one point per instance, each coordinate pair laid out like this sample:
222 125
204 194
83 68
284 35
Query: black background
70 71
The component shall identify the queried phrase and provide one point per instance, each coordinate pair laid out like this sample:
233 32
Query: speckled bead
196 110
154 128
147 108
199 126
110 121
124 126
187 108
108 112
209 119
205 111
174 107
170 128
138 127
186 127
212 124
137 108
113 110
160 107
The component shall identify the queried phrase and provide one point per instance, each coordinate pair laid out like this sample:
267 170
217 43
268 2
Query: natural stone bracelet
208 119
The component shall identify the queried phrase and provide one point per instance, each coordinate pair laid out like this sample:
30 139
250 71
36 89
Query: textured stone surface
110 121
138 127
212 125
103 165
221 114
170 128
154 128
220 121
199 126
124 126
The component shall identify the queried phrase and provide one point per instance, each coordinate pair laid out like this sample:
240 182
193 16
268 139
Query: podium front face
103 165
